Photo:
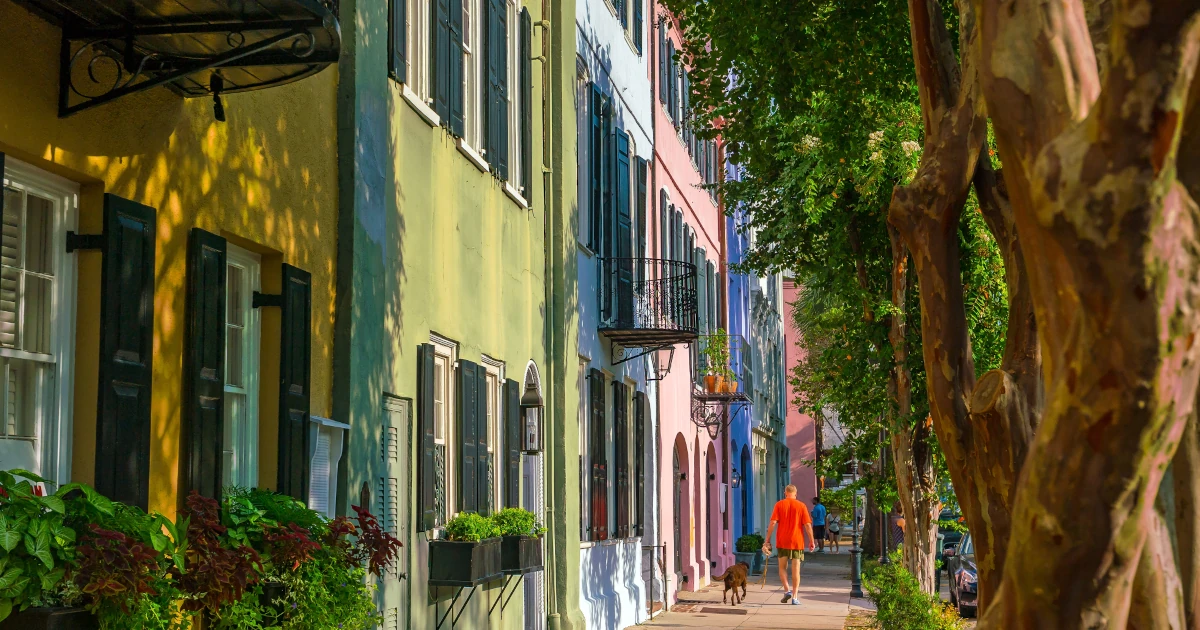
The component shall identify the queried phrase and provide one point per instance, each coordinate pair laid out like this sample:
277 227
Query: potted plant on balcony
470 554
520 541
716 361
749 546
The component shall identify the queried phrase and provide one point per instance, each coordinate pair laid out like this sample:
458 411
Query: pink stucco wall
674 172
801 429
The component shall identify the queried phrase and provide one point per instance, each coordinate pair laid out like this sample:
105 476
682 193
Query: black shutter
526 67
126 352
425 434
597 446
637 25
439 60
596 152
672 84
685 112
662 62
664 221
203 406
640 217
294 357
499 158
624 234
512 443
623 11
621 448
398 40
639 463
455 69
468 441
609 143
483 460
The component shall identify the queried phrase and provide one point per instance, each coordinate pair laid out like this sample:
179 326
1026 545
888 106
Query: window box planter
462 563
50 619
747 557
520 554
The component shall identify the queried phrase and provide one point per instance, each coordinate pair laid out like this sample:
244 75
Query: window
446 498
418 68
514 93
37 294
494 397
472 69
240 442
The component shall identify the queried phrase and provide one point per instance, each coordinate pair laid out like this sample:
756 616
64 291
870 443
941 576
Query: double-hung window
418 38
473 58
37 296
242 339
494 396
443 425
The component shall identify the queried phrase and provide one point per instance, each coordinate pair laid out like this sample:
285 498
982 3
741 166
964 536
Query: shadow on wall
267 176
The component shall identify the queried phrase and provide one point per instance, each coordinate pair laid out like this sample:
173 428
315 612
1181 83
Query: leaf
21 472
10 535
10 577
53 503
5 608
51 579
102 503
38 544
15 590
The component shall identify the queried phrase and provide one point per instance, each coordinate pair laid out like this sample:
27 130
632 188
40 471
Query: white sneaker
795 602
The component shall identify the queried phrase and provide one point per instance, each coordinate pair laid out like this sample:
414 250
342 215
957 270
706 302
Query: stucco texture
266 179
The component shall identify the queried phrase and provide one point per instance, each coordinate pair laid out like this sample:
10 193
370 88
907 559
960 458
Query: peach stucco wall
801 429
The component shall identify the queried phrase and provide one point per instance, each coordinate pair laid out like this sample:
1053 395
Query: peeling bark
1109 239
1185 477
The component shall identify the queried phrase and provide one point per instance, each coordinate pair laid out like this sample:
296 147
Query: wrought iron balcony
647 303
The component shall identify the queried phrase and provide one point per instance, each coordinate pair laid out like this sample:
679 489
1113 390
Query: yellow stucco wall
266 180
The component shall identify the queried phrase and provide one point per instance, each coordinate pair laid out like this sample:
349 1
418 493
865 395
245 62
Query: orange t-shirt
792 516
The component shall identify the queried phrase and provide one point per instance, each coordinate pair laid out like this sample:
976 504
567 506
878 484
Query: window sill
585 249
423 109
515 196
473 156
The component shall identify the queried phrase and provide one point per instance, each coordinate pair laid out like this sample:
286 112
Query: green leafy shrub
470 527
900 604
516 521
749 543
36 545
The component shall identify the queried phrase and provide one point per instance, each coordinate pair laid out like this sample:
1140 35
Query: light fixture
737 478
714 427
531 412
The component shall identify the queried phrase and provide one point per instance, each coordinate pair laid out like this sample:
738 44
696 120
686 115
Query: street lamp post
855 550
884 515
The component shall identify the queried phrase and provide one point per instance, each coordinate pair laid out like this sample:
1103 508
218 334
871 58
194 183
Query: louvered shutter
621 449
624 233
468 440
203 405
639 462
637 25
426 456
398 39
483 459
455 69
499 157
318 488
597 447
664 222
126 352
596 152
702 294
608 165
512 443
294 357
685 110
526 68
711 274
639 218
623 12
672 83
440 59
663 96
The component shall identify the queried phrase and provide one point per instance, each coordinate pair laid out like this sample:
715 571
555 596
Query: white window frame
474 74
418 82
245 438
495 420
445 366
54 429
514 96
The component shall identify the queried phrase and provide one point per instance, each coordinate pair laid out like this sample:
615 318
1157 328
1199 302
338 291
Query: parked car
964 578
949 536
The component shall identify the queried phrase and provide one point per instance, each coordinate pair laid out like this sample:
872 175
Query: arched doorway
677 499
747 481
712 519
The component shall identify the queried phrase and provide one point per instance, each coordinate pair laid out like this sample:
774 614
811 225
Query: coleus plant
376 547
218 571
115 567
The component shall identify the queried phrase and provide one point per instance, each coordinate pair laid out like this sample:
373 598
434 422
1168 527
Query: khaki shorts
798 554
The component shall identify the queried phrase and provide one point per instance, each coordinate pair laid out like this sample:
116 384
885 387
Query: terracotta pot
722 386
710 383
732 386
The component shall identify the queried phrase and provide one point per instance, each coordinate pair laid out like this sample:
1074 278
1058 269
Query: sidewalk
824 601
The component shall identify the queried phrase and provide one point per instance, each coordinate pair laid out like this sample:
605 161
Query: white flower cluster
876 157
910 147
874 139
808 143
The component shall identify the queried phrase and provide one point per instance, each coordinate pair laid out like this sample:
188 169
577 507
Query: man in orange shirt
789 516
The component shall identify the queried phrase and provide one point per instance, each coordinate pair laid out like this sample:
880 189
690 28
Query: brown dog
734 577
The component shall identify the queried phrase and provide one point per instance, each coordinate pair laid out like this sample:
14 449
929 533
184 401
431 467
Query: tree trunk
912 456
1110 243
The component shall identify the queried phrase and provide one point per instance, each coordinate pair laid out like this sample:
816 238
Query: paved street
824 596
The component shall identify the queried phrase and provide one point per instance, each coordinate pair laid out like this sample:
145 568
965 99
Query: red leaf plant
289 546
375 546
216 574
113 566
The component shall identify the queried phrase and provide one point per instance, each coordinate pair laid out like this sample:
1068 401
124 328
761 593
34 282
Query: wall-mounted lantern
737 478
531 413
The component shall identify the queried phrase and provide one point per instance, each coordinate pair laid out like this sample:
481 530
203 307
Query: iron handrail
651 294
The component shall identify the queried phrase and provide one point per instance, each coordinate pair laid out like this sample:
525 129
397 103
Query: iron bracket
449 610
502 601
640 352
259 299
77 242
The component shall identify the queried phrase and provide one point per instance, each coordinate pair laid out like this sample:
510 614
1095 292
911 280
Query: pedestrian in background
788 518
818 519
833 529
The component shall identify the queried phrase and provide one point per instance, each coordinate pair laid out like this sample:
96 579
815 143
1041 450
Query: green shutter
203 405
596 169
126 351
295 355
439 58
638 26
639 463
426 447
621 248
468 441
398 39
512 443
526 68
639 219
662 62
483 460
454 69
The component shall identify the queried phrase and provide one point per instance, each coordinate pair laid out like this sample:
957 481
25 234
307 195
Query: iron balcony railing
648 302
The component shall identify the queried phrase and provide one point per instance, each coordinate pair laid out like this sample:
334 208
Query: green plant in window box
718 377
520 542
469 555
